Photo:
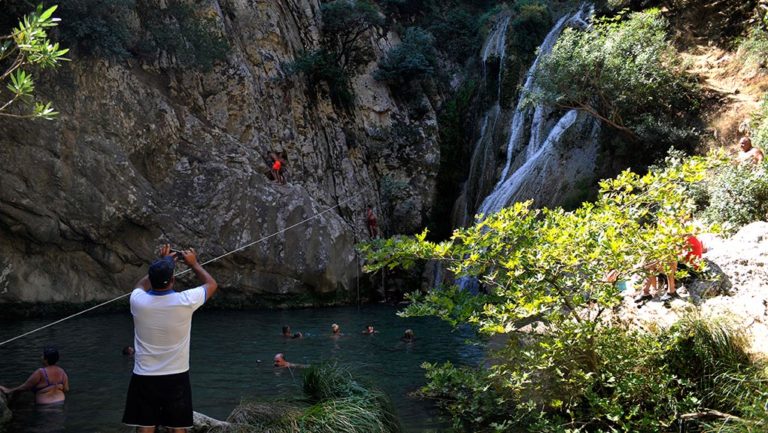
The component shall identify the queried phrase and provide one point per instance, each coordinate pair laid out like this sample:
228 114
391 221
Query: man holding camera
160 391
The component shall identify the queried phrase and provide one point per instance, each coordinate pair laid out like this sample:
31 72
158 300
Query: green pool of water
231 359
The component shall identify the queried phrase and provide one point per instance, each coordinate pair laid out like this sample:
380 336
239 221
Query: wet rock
204 423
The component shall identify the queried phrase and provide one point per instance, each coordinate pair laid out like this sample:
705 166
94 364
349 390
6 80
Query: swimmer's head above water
50 355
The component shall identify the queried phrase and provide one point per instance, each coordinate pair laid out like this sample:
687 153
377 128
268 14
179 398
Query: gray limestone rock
144 153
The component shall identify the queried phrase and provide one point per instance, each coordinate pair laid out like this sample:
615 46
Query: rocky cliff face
144 154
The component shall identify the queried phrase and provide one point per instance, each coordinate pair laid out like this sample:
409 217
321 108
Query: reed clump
334 402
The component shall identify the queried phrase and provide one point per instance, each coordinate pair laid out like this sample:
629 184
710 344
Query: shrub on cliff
734 196
343 49
98 27
345 25
456 32
186 33
413 59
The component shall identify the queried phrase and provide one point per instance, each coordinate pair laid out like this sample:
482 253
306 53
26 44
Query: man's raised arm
190 258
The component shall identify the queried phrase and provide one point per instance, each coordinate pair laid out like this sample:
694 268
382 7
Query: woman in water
49 383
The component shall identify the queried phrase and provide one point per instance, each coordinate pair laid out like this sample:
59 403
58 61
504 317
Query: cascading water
536 167
535 132
494 50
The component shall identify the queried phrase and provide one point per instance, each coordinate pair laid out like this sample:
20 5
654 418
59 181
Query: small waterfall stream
483 159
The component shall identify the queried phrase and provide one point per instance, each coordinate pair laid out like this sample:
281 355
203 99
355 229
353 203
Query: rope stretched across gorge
240 248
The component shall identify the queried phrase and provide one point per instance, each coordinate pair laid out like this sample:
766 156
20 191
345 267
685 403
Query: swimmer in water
336 331
49 383
129 351
408 336
287 333
281 362
369 330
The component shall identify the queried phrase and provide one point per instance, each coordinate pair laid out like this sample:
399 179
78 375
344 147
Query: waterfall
532 133
482 159
536 166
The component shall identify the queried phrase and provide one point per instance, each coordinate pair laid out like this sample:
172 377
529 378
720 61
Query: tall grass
340 404
710 356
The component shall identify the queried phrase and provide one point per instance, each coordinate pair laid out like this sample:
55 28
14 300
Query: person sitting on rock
694 251
749 154
49 383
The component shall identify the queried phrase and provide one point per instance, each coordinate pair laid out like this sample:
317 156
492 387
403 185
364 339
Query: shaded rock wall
145 153
5 413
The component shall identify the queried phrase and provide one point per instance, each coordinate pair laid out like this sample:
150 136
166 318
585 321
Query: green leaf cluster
551 263
733 195
99 27
413 59
457 32
28 47
187 33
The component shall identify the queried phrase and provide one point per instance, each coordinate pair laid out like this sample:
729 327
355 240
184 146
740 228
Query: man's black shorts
159 401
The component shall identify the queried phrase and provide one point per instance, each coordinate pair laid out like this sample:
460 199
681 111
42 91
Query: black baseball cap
161 272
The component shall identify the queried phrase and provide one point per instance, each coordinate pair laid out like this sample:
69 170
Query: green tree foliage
185 33
623 72
343 49
98 27
413 59
734 195
456 32
550 262
547 268
345 23
26 48
318 67
531 23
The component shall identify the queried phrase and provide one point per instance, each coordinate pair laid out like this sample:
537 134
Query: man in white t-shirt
160 393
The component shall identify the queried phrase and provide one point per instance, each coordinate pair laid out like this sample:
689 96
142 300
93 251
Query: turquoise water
231 359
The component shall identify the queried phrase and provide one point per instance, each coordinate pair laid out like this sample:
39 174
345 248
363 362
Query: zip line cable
186 270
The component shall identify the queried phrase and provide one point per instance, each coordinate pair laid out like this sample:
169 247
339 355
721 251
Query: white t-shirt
162 323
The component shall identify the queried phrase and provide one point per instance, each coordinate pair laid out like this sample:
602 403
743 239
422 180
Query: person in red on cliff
372 223
277 168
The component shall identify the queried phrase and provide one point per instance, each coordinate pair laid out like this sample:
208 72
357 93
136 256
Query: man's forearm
202 274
